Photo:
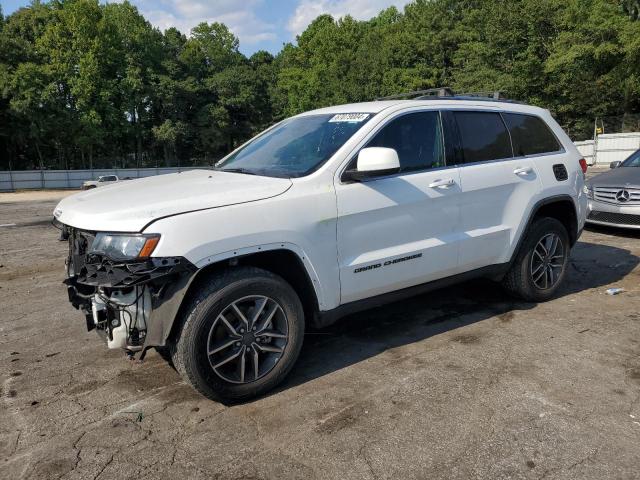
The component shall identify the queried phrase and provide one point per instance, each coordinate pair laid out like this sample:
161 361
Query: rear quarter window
530 135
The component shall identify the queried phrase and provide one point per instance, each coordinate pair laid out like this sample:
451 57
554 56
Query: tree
631 8
90 84
167 134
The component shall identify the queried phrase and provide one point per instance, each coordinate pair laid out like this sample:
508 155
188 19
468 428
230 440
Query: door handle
523 171
445 183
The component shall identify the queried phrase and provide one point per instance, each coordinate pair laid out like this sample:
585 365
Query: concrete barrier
55 179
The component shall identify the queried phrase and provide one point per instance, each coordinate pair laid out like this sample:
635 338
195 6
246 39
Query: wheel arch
563 209
560 207
281 259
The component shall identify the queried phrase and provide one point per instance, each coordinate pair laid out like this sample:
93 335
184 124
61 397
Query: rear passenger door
496 186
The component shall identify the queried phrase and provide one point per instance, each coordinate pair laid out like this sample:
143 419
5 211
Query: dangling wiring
123 312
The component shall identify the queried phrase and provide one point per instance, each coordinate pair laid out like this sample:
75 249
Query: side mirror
374 162
615 164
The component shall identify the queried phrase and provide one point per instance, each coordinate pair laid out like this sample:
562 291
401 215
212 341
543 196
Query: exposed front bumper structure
131 304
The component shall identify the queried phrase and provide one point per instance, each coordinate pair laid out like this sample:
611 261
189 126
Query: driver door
403 229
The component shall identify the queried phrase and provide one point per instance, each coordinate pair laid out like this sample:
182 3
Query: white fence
39 179
609 147
588 150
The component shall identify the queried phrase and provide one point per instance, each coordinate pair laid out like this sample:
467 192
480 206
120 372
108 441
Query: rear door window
483 136
530 135
417 137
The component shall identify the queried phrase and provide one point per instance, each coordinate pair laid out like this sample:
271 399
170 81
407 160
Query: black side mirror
361 176
615 164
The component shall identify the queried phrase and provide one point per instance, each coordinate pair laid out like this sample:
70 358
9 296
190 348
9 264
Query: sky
259 24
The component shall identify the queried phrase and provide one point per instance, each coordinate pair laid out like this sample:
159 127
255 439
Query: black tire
519 280
165 354
189 350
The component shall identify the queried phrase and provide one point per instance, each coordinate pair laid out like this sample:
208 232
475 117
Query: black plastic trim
560 172
328 317
536 208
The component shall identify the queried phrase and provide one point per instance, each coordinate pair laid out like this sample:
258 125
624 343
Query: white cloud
308 10
186 14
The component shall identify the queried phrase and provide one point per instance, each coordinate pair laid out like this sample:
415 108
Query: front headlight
124 247
588 189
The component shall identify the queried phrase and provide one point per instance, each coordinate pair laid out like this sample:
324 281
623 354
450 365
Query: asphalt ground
460 383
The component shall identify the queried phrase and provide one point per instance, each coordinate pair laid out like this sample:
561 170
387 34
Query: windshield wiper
237 170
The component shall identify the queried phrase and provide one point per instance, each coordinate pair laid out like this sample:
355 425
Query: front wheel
241 335
540 266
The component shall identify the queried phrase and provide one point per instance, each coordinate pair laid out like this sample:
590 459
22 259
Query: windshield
296 146
632 161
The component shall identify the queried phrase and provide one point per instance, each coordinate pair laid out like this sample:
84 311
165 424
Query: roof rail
420 94
447 92
497 95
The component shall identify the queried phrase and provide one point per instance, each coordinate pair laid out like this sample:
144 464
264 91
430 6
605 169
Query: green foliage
631 8
88 84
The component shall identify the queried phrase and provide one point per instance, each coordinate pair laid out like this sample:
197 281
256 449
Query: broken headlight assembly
122 247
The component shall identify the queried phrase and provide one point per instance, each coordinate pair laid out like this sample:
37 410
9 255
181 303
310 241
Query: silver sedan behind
614 196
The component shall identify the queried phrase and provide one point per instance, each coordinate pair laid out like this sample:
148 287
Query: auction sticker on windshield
349 117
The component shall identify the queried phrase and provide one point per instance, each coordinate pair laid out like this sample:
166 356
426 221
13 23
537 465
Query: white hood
131 205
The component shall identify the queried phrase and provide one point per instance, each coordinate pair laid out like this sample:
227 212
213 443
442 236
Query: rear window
530 135
483 136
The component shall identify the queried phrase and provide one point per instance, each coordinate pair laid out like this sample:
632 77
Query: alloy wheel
247 339
547 261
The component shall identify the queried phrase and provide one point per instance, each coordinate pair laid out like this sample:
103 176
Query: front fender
292 247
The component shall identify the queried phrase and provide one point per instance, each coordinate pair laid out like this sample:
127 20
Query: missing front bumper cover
166 279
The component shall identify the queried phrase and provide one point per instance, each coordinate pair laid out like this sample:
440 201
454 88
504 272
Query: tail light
583 165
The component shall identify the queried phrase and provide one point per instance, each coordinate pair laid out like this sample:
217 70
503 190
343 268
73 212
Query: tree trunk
39 155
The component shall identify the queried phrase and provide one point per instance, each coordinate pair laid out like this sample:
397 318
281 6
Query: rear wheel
540 265
241 335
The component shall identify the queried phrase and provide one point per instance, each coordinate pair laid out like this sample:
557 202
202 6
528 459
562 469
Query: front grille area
615 218
609 195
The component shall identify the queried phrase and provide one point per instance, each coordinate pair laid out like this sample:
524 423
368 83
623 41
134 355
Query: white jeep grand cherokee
323 214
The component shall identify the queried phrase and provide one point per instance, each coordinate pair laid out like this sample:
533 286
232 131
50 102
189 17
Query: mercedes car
614 196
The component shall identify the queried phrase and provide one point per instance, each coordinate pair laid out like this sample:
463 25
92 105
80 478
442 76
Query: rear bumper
614 215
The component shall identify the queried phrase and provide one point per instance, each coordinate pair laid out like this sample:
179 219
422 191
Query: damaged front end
130 302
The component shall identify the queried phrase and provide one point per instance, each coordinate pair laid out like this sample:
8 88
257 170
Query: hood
130 206
618 177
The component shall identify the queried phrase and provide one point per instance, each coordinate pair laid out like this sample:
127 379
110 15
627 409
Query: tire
527 276
210 322
165 354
